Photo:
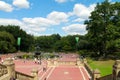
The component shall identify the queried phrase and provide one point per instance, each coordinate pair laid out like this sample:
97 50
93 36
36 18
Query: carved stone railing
107 77
88 68
66 62
22 76
3 70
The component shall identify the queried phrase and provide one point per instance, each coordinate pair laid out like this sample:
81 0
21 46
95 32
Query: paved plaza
59 72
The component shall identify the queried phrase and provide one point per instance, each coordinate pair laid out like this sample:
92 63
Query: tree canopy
27 40
103 27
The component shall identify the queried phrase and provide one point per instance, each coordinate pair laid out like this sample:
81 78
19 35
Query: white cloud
38 21
82 11
21 3
58 17
29 28
33 26
10 22
78 20
75 29
63 1
5 6
37 25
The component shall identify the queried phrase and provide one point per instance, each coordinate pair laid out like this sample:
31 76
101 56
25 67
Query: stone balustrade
7 70
3 70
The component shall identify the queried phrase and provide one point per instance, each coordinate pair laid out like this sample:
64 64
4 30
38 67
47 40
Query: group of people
37 61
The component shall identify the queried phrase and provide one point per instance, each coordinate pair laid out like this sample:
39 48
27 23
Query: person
38 62
35 60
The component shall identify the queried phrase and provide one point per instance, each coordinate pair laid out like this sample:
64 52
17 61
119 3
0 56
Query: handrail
23 76
107 77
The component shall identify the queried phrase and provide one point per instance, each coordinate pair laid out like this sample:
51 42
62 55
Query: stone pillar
34 73
78 62
84 60
49 62
116 70
8 62
55 61
96 74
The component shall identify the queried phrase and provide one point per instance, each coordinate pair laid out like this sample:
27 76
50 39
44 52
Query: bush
84 53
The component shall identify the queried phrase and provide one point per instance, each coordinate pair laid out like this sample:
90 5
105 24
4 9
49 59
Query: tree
46 43
7 42
103 26
27 40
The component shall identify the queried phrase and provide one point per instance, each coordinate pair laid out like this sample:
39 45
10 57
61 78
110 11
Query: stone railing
22 76
107 77
66 62
87 67
56 62
3 70
7 71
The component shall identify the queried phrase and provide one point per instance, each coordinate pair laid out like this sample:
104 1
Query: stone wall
56 62
3 70
7 71
107 77
21 76
89 69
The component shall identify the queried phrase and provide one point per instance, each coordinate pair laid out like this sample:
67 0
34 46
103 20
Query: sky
46 17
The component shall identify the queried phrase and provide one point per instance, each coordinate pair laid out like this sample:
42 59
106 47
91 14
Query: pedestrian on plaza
35 60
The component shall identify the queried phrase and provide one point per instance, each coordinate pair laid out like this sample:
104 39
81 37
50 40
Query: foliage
26 39
7 42
46 42
103 37
103 27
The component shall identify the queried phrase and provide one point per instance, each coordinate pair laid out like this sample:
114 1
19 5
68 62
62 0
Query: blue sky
46 17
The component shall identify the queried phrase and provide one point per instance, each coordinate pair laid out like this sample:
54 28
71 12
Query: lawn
105 67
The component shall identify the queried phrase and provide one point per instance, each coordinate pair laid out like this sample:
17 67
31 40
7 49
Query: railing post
78 62
116 70
85 60
96 74
8 62
34 73
49 62
55 61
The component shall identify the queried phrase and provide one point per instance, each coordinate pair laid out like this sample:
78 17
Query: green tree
7 42
46 43
27 40
103 26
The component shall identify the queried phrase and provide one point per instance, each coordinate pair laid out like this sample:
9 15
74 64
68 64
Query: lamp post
38 53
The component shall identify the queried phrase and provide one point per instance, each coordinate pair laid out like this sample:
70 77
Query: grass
105 67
